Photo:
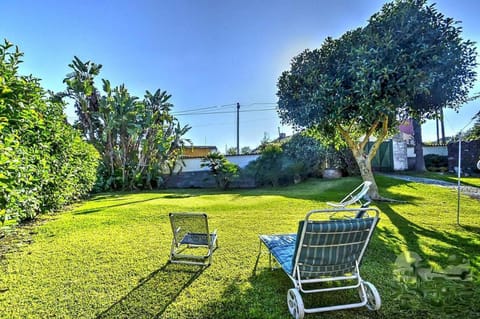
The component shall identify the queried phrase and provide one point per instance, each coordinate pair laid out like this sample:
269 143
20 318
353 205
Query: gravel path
467 190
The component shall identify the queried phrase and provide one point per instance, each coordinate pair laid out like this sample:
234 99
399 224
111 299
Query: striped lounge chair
326 250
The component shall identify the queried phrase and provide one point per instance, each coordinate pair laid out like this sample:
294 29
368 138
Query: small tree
451 64
246 150
473 133
306 153
139 140
231 151
223 170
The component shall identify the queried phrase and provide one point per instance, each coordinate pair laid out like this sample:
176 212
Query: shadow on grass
473 229
316 189
98 209
152 296
264 295
412 232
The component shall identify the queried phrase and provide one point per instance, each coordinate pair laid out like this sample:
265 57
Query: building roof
198 151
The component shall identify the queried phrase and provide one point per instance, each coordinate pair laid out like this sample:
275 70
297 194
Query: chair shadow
151 297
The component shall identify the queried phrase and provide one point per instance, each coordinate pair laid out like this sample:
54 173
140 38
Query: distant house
406 131
198 151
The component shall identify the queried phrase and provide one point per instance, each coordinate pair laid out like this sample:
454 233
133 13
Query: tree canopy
364 83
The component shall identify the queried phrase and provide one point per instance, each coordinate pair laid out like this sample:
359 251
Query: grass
107 258
448 177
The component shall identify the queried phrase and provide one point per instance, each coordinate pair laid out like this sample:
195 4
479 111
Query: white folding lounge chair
324 251
192 242
358 195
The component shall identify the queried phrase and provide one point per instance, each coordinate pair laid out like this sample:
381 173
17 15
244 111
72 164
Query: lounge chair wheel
373 297
295 304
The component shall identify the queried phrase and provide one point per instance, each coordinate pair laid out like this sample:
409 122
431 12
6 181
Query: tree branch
368 134
348 139
380 138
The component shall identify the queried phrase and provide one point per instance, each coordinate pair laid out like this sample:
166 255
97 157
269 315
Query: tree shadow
412 232
151 297
99 209
316 189
472 229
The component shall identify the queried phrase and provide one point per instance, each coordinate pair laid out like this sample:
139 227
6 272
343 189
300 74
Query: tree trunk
417 135
364 160
365 167
442 121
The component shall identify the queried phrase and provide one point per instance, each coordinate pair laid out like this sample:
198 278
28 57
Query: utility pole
238 128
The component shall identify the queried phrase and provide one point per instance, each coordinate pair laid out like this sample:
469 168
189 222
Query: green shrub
306 155
300 157
44 164
270 169
222 169
436 163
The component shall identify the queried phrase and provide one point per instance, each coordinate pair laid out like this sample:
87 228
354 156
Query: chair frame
368 294
192 240
356 196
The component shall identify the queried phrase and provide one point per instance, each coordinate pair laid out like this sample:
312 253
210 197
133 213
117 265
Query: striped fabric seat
329 248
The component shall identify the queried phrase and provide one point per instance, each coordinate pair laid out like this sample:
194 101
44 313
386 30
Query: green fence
383 160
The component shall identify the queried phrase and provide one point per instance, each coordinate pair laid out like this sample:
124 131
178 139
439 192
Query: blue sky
208 54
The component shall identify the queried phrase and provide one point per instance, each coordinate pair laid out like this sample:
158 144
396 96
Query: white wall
242 160
400 159
438 150
193 164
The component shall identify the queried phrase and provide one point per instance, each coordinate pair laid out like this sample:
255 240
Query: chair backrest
332 247
357 194
190 223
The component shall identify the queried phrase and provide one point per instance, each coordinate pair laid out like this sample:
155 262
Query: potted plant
332 165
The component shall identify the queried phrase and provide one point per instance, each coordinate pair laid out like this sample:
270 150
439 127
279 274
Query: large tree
361 85
451 65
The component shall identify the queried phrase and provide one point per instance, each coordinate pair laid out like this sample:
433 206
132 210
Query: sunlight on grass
107 258
449 177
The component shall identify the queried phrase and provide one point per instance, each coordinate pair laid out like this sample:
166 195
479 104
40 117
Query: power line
230 123
196 110
225 112
203 108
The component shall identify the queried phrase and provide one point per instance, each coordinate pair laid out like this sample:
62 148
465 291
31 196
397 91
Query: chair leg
269 255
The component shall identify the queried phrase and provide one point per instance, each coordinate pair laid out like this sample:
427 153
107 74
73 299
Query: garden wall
441 150
204 179
429 149
193 164
195 176
470 156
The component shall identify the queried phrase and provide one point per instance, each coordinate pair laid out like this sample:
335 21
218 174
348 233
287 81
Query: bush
222 169
305 154
271 168
348 164
299 158
436 163
44 164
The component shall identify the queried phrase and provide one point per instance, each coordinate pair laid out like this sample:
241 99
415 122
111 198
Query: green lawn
448 177
107 258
